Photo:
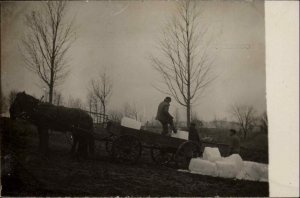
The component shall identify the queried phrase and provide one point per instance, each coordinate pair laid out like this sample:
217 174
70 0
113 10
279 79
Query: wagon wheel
161 156
185 153
126 149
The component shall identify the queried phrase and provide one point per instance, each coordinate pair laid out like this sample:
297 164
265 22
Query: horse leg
75 143
83 146
91 145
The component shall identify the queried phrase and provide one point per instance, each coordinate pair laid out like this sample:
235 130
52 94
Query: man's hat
168 98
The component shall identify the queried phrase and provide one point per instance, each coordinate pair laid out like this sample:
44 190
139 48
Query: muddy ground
59 174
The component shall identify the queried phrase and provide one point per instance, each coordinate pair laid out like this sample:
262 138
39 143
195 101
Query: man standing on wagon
164 116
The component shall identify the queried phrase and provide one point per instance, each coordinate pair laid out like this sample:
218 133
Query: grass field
61 175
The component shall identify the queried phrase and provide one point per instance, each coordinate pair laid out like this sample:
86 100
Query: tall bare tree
185 65
91 101
46 41
245 116
102 89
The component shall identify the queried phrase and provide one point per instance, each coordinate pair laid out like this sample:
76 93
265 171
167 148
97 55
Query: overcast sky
121 35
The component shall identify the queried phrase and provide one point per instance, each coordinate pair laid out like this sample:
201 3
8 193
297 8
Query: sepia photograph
134 99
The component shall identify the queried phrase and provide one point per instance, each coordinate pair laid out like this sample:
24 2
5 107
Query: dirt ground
61 175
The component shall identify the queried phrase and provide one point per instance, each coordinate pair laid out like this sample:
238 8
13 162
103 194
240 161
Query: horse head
23 105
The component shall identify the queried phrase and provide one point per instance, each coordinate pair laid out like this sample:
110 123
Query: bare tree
94 107
264 122
3 103
185 65
91 100
6 101
46 42
244 115
102 90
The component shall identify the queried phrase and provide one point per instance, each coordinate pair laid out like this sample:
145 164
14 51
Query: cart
125 145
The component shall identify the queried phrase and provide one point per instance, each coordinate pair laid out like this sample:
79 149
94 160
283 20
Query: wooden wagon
125 145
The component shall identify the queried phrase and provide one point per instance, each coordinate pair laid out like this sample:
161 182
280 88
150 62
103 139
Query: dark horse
47 116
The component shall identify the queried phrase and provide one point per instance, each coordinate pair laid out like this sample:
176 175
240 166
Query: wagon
126 145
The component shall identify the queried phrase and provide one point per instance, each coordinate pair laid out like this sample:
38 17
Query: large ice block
254 171
264 172
236 159
230 167
181 134
226 169
211 154
203 167
131 123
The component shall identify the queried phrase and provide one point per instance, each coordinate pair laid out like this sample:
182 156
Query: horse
59 118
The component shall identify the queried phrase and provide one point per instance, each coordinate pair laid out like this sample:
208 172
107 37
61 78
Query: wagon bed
126 144
150 139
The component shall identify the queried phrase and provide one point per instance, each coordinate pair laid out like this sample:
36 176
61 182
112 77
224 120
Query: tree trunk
188 102
104 111
188 115
50 94
90 107
245 134
51 86
96 110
